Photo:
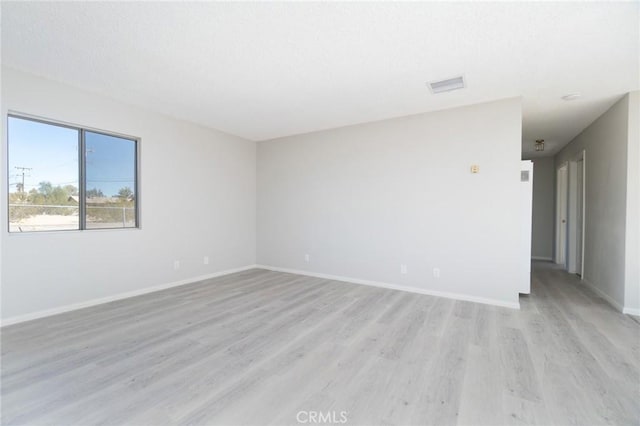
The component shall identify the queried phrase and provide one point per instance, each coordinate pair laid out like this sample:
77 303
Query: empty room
337 213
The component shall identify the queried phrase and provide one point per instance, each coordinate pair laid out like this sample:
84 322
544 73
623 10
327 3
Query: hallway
586 354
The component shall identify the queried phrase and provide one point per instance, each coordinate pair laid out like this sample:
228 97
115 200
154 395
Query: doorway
575 234
580 255
570 214
561 214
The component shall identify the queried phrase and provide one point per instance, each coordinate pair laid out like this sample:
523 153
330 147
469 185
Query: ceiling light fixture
540 145
447 85
571 97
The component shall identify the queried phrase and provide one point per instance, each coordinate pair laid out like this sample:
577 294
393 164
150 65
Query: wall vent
447 85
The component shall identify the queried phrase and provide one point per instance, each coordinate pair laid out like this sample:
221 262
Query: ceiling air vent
447 85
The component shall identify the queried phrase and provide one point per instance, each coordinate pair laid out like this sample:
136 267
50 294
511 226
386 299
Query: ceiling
265 70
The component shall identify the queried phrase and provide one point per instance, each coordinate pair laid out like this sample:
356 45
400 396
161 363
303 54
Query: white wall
605 143
197 198
543 208
526 225
632 246
362 200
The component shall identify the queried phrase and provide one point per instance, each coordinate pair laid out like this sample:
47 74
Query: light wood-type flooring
261 347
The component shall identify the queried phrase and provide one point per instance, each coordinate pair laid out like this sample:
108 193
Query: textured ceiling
264 70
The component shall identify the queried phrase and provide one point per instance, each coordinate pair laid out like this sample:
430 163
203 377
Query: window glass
110 181
43 176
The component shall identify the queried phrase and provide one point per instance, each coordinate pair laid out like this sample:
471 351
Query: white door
561 215
579 215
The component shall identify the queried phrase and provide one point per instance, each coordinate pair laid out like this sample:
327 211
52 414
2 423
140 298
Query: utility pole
23 170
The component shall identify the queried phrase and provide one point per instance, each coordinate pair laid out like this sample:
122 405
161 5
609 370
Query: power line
23 170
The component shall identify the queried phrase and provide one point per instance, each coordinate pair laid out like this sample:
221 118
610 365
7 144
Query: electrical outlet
403 268
206 260
306 258
436 272
176 265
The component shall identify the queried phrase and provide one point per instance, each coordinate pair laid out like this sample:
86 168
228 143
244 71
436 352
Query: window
68 178
110 170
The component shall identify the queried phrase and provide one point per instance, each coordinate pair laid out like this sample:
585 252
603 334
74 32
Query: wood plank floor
258 347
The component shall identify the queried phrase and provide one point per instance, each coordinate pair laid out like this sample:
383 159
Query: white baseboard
605 296
93 302
455 296
549 259
631 311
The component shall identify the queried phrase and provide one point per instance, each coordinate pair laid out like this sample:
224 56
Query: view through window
53 186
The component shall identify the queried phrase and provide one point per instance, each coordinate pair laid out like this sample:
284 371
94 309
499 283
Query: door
561 215
579 215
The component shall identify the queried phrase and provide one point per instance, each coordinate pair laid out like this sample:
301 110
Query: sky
51 152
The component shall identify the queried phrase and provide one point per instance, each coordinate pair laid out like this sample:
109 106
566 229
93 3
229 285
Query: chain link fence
45 217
